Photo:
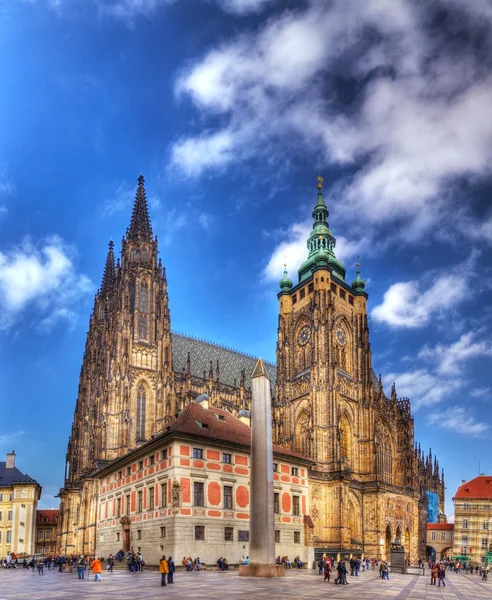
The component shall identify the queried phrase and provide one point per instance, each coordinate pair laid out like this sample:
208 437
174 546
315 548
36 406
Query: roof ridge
222 346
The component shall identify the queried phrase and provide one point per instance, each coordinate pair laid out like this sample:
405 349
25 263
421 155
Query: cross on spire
140 224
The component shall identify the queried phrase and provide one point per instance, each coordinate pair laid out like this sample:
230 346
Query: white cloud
423 387
128 10
242 7
450 358
459 420
420 122
42 278
9 438
406 304
480 392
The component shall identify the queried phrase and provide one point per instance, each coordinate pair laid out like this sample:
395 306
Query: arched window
141 406
144 298
133 255
143 256
345 441
142 328
303 434
384 455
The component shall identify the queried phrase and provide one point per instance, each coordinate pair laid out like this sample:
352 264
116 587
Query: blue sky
231 108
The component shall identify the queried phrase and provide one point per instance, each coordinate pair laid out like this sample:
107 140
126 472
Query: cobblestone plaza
20 584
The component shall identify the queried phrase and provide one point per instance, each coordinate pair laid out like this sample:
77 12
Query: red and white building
186 493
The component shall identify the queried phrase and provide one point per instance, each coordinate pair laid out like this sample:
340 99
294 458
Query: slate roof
50 515
231 362
479 488
220 425
13 475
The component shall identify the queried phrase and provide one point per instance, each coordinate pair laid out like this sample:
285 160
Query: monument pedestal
262 570
398 563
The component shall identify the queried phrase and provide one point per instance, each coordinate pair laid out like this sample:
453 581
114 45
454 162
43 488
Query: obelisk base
261 570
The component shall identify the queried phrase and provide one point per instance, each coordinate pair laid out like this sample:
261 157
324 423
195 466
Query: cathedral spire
140 224
109 272
321 242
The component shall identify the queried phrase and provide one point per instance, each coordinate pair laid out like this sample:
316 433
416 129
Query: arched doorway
387 545
398 534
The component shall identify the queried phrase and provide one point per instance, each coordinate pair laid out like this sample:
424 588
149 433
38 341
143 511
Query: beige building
369 480
473 518
46 531
440 540
186 492
19 495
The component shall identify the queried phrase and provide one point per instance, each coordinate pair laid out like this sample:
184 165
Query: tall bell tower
323 356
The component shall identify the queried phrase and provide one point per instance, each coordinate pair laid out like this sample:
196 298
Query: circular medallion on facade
341 337
304 335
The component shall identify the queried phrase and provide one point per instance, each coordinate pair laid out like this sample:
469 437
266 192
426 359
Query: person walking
172 568
96 568
163 570
326 570
441 574
81 566
110 563
433 574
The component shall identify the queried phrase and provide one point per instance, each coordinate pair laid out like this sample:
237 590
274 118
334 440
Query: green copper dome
285 282
358 284
321 243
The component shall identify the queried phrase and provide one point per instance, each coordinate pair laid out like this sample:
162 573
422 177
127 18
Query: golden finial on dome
320 182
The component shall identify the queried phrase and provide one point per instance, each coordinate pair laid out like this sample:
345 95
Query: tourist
40 565
383 570
198 564
485 571
163 570
81 566
321 565
96 568
433 571
172 568
298 562
441 574
326 570
110 563
220 562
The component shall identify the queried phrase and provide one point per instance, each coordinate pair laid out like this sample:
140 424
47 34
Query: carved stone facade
369 481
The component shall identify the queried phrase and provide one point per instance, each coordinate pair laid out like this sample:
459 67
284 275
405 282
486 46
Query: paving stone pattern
19 584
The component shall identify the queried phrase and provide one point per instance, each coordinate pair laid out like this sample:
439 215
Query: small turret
358 284
285 282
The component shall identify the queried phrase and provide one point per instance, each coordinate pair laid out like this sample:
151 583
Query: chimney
463 481
245 417
10 464
202 400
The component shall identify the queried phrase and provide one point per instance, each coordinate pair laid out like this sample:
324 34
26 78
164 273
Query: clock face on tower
341 337
304 335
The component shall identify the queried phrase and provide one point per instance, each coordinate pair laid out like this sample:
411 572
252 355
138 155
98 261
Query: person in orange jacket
96 568
163 570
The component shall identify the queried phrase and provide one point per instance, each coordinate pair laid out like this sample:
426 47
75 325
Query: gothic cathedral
370 481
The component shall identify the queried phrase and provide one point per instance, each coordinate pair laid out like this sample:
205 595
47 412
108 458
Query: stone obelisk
262 518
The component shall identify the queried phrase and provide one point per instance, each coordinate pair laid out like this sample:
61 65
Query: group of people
438 572
284 560
167 569
326 565
190 564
